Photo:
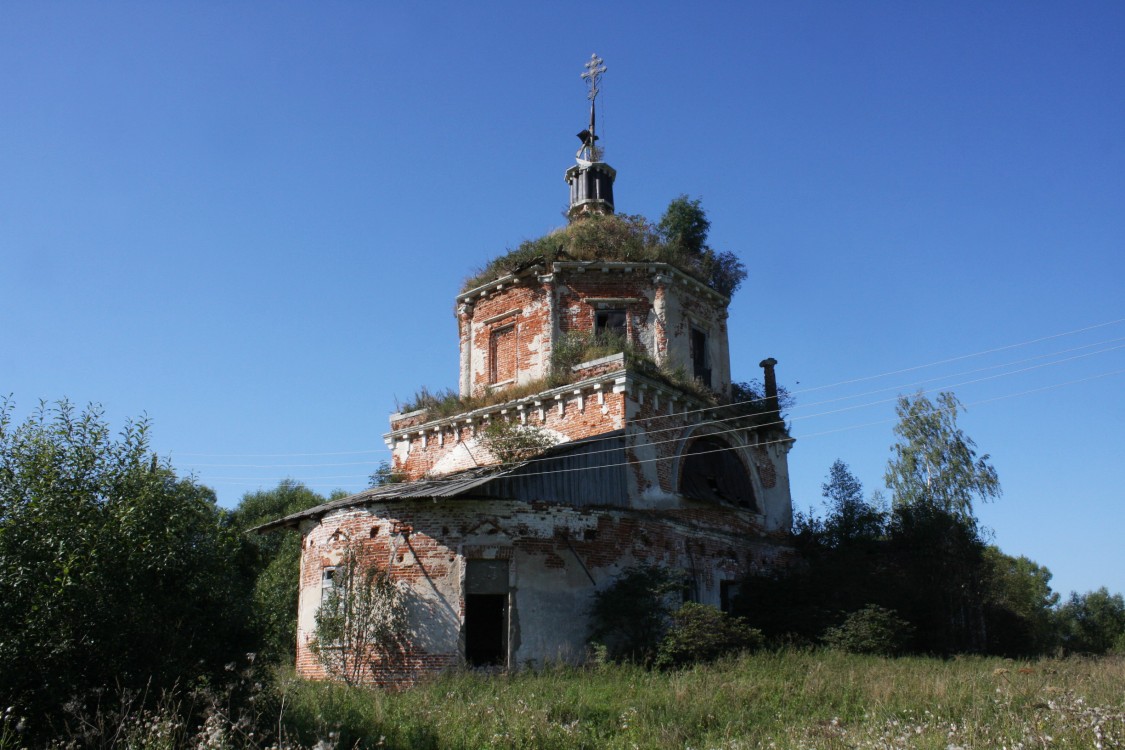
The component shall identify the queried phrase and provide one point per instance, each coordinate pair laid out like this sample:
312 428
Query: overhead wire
246 481
779 441
741 428
725 407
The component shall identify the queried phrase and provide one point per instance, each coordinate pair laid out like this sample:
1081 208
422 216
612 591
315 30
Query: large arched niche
711 470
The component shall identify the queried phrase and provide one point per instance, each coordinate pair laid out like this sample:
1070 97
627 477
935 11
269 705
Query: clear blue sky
249 220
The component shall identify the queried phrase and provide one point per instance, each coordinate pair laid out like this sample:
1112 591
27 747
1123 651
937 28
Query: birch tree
934 461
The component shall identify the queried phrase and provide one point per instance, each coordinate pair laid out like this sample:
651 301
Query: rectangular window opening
327 581
700 361
611 325
728 592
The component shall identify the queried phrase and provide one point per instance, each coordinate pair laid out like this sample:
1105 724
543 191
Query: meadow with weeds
782 699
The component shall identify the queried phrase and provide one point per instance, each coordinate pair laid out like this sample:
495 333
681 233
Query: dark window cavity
700 361
610 323
713 472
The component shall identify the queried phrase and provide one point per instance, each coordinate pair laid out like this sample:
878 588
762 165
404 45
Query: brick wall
553 554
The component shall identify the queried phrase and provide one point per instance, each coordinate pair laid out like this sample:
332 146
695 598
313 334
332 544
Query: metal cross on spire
593 74
594 70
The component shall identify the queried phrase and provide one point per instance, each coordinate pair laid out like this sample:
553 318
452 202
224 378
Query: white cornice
622 381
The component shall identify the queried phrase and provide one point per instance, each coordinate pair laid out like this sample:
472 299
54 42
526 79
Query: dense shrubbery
636 619
871 630
699 634
274 562
630 616
1093 623
122 584
113 571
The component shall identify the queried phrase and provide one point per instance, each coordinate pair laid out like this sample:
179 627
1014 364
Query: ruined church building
500 561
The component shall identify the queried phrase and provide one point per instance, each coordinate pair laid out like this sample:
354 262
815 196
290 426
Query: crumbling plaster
558 557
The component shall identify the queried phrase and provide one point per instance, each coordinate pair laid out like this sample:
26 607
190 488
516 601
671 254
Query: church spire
591 179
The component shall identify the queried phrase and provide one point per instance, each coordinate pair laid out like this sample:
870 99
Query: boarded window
714 472
502 354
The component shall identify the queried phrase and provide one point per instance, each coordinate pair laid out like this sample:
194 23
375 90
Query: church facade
499 553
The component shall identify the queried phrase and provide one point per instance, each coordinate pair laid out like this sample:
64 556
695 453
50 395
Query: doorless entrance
486 613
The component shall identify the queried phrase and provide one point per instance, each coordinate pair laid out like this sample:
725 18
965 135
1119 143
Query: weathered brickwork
557 557
508 335
590 407
534 308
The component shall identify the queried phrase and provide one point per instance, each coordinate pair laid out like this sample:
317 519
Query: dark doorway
486 613
486 628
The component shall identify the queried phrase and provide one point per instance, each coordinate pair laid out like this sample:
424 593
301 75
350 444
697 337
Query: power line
822 433
678 428
963 356
703 409
283 455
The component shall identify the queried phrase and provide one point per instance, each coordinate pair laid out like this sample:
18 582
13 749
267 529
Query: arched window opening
713 472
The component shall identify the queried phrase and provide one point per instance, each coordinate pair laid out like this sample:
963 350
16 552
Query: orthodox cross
594 70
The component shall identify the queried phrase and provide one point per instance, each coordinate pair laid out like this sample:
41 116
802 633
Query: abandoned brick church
649 461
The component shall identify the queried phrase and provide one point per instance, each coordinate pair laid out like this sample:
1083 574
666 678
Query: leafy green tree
1020 604
935 578
1092 623
630 616
934 462
274 563
685 225
850 518
113 571
844 566
684 228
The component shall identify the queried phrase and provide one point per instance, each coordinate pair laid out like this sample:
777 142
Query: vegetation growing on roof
511 442
679 239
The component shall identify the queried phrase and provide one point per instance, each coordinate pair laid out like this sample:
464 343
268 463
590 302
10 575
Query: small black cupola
591 179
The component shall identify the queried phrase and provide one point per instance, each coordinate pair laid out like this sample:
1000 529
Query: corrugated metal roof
581 472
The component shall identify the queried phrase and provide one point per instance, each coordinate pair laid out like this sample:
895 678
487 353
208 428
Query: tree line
916 574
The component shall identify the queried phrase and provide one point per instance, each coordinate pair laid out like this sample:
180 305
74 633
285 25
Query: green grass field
788 699
765 700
